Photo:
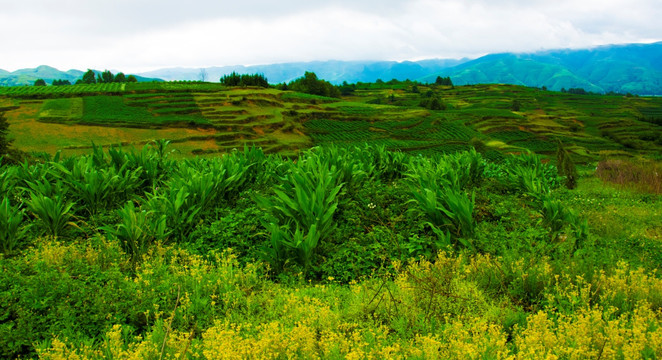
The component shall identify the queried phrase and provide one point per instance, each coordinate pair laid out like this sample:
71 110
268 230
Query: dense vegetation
406 232
341 252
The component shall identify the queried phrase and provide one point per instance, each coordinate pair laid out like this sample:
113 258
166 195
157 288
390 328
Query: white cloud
138 35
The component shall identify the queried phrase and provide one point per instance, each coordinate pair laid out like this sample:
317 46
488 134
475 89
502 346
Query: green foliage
303 207
138 230
40 82
60 82
89 77
310 84
445 81
12 230
235 79
528 174
436 187
566 167
53 212
4 130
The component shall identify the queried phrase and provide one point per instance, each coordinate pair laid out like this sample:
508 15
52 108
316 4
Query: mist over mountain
632 68
333 70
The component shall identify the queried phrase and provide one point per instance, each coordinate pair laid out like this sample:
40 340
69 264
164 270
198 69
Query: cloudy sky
141 35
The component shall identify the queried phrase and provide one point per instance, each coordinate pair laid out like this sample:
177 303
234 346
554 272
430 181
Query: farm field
204 118
247 223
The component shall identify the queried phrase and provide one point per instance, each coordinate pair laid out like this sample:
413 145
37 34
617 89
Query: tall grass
645 176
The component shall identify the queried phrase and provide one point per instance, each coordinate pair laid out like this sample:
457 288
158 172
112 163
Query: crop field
287 122
196 221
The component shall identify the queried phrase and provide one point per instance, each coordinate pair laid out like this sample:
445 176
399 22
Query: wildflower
371 206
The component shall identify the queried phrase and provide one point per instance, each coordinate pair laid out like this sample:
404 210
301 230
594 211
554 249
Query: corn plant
528 174
8 180
275 253
178 208
390 165
303 206
446 208
437 194
304 244
137 230
556 217
11 232
154 160
355 165
53 211
100 188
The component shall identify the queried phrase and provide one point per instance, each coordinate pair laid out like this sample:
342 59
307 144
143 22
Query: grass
154 275
593 125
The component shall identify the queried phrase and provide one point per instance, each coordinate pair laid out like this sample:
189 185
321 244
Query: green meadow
399 221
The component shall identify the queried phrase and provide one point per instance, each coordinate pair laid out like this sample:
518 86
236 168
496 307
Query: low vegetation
328 228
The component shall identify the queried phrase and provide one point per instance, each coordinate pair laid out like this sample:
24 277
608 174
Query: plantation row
106 88
69 90
167 200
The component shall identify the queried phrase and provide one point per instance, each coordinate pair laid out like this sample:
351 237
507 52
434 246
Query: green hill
29 76
204 118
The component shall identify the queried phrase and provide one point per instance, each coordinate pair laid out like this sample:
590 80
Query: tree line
90 77
235 79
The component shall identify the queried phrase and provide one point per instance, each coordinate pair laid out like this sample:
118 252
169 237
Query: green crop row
81 89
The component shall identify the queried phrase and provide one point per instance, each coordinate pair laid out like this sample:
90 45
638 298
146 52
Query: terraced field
204 118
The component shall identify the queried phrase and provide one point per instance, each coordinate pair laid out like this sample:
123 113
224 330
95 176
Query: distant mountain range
633 68
28 76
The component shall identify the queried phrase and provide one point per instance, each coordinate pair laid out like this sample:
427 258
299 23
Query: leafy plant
305 202
436 192
11 230
178 208
137 230
53 211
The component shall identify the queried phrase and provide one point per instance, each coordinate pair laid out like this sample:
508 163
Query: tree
40 82
445 81
89 77
4 142
566 167
106 77
310 84
516 105
131 79
203 75
234 79
120 78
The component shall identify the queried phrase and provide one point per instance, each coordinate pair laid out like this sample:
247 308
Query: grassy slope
519 295
218 119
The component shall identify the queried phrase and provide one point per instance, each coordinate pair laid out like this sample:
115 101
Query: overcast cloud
140 35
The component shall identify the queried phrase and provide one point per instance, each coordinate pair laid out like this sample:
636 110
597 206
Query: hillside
28 76
205 118
325 242
633 68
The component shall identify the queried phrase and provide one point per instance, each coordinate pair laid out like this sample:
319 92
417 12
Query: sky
142 35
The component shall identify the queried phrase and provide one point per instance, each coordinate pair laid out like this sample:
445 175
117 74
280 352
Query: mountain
634 68
333 71
28 76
